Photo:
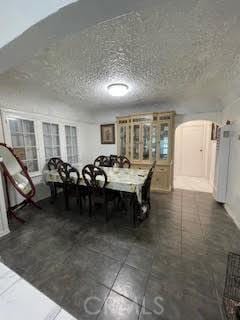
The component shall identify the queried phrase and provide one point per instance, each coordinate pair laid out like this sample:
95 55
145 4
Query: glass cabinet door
146 141
123 140
164 142
154 142
129 141
136 142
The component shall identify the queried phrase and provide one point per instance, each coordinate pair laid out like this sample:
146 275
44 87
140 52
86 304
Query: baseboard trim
230 213
4 233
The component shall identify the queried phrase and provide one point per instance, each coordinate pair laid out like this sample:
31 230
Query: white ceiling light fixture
118 89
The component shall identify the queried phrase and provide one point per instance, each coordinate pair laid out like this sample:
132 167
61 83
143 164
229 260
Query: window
71 142
51 140
24 142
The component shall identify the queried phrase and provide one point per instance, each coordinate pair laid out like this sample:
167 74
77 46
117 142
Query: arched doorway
195 155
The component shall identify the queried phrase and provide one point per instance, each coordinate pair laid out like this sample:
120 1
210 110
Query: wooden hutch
146 137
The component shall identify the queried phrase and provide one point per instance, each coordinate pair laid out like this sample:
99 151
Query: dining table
128 181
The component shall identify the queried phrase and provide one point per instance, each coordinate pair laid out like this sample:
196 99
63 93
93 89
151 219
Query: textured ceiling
183 54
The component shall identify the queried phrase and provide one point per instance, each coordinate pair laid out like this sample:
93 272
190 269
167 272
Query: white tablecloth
121 179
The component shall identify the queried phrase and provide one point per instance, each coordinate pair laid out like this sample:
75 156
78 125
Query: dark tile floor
174 263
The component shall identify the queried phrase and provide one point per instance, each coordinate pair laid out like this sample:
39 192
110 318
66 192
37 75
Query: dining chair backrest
113 158
146 189
122 162
94 177
154 164
53 163
68 174
102 161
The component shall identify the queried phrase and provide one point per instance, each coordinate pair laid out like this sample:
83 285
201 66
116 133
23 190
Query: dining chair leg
55 191
106 208
52 191
66 197
123 204
133 202
149 203
80 203
90 205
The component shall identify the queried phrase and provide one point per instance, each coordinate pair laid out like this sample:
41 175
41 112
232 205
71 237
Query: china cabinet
148 137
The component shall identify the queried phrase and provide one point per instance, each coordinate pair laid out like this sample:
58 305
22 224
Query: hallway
192 183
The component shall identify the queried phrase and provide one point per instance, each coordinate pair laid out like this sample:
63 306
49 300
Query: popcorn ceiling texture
182 55
36 101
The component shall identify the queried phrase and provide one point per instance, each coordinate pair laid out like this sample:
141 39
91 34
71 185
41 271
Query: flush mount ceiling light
117 89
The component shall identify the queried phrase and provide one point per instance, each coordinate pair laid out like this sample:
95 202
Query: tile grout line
1 294
211 269
20 279
147 281
58 313
145 289
111 289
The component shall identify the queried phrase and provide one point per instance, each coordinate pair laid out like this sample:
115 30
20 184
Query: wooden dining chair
122 162
95 179
70 177
113 158
146 192
53 164
102 161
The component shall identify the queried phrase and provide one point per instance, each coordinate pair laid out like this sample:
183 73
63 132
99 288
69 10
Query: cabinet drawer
161 179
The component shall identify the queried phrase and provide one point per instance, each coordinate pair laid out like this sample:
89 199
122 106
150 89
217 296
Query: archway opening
195 156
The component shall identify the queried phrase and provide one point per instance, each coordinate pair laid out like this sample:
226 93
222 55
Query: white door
192 152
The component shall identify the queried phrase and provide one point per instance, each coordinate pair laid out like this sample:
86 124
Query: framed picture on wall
107 133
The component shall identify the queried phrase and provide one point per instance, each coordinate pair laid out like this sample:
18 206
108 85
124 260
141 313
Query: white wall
232 113
90 143
96 147
208 116
24 14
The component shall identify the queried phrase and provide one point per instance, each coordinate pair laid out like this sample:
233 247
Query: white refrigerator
222 163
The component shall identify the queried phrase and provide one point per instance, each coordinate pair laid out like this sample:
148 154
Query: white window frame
60 146
72 126
38 120
8 136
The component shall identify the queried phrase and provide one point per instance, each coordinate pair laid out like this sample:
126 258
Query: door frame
206 131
